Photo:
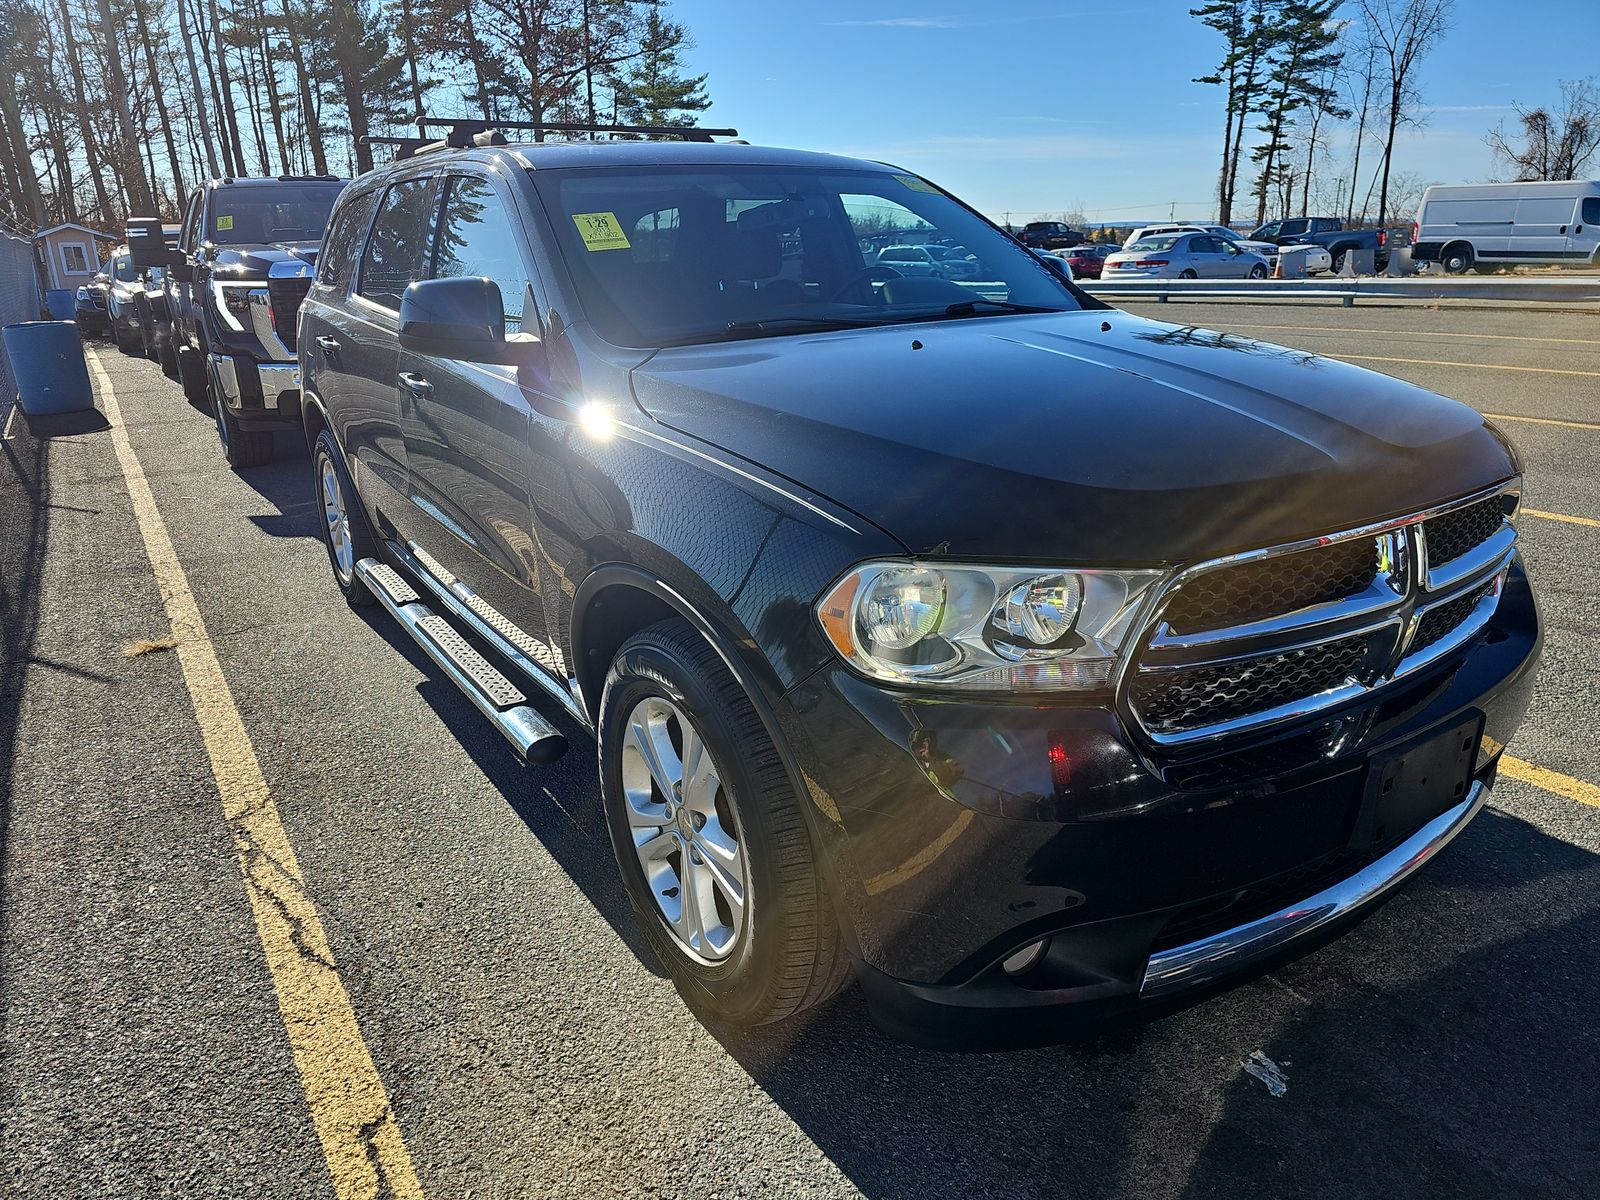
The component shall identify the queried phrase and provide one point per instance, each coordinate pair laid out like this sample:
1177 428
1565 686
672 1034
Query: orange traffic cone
1277 266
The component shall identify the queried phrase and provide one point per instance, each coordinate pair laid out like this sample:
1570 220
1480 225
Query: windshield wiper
789 324
969 308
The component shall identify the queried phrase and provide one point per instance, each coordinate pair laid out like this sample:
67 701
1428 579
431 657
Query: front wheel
344 527
709 834
242 448
1258 272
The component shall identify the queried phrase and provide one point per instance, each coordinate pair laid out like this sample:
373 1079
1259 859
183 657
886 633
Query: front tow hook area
495 696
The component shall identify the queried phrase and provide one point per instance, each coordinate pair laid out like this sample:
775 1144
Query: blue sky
1033 106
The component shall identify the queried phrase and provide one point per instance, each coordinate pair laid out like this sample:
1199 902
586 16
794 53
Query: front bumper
261 395
953 840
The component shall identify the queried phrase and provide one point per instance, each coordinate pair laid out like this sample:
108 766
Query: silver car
1184 256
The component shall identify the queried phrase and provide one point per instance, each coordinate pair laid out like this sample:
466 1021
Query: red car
1086 261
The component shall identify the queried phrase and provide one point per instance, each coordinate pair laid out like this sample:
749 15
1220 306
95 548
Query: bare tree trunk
409 41
308 104
159 92
1395 98
91 153
477 61
346 51
21 158
56 130
230 114
201 115
139 193
270 69
248 72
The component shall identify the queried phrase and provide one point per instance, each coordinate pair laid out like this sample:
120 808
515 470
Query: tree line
1300 68
115 108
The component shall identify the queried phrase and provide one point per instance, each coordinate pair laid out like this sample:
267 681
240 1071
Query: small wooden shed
70 254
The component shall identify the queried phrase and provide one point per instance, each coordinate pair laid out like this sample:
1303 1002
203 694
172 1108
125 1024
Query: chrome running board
495 696
509 641
1232 949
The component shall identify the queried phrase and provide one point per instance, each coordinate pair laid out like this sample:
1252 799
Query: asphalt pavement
528 1043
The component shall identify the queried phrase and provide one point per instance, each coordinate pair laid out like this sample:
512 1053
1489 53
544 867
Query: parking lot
296 782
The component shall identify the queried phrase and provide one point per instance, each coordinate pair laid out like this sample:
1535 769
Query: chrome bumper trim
1222 953
276 378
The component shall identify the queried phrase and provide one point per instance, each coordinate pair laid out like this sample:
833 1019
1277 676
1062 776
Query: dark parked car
1327 232
90 310
1087 261
1033 661
1049 235
241 266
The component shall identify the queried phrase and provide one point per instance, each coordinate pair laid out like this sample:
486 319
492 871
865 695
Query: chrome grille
1182 697
1465 529
1270 587
1253 640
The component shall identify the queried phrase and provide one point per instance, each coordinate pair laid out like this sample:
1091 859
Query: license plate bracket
1407 788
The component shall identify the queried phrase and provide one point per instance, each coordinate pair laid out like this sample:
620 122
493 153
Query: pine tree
1304 48
654 91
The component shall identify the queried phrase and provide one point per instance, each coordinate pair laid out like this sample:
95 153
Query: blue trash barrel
47 363
58 302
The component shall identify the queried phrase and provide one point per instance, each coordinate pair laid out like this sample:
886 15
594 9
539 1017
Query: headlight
984 628
233 302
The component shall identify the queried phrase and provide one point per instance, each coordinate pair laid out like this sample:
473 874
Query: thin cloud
908 22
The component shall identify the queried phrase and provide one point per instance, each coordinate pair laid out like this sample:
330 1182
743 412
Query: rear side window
1292 228
477 240
344 239
398 246
1591 210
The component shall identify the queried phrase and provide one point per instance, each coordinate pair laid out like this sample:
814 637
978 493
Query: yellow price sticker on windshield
600 231
224 223
918 185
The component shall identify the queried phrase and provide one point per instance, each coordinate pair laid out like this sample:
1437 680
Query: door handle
328 344
1563 229
415 384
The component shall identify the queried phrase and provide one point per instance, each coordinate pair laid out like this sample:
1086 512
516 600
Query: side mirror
460 318
1058 264
147 243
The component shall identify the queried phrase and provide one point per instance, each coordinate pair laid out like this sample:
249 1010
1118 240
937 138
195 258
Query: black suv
242 265
1029 659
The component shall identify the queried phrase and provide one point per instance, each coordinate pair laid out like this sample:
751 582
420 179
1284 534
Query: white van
1462 226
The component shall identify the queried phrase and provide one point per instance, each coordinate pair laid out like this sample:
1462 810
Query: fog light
1026 959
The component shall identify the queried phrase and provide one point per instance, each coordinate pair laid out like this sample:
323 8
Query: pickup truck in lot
1327 232
241 266
1031 661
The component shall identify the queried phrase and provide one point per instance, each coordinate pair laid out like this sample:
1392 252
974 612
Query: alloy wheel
684 830
338 520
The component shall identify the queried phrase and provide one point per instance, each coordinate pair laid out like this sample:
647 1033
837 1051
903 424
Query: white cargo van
1492 224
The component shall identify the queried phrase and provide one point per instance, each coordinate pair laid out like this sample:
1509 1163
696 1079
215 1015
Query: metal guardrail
1585 290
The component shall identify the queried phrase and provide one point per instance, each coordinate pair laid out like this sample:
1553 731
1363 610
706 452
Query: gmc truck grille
1255 640
285 296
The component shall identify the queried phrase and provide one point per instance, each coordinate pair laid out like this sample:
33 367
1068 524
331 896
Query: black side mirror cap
147 243
461 318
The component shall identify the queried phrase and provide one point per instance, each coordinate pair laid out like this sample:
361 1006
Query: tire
779 952
192 374
167 355
1258 272
1338 263
1456 258
1188 273
242 448
331 487
123 338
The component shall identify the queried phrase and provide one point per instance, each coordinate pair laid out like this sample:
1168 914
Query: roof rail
461 130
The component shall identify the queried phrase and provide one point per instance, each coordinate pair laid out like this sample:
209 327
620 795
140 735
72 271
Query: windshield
122 268
701 254
254 214
1155 243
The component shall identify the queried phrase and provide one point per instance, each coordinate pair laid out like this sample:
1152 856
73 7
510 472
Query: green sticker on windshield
918 185
600 231
224 223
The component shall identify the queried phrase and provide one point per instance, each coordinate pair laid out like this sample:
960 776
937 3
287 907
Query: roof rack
464 132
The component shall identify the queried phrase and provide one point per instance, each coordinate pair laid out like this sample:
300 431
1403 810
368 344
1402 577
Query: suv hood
259 259
1081 438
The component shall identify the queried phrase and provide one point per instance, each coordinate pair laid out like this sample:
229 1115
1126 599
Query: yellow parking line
1550 516
1436 333
367 1157
1439 362
1551 781
1544 421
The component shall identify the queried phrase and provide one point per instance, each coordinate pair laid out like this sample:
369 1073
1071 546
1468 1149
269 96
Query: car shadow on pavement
285 483
1446 1047
572 828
